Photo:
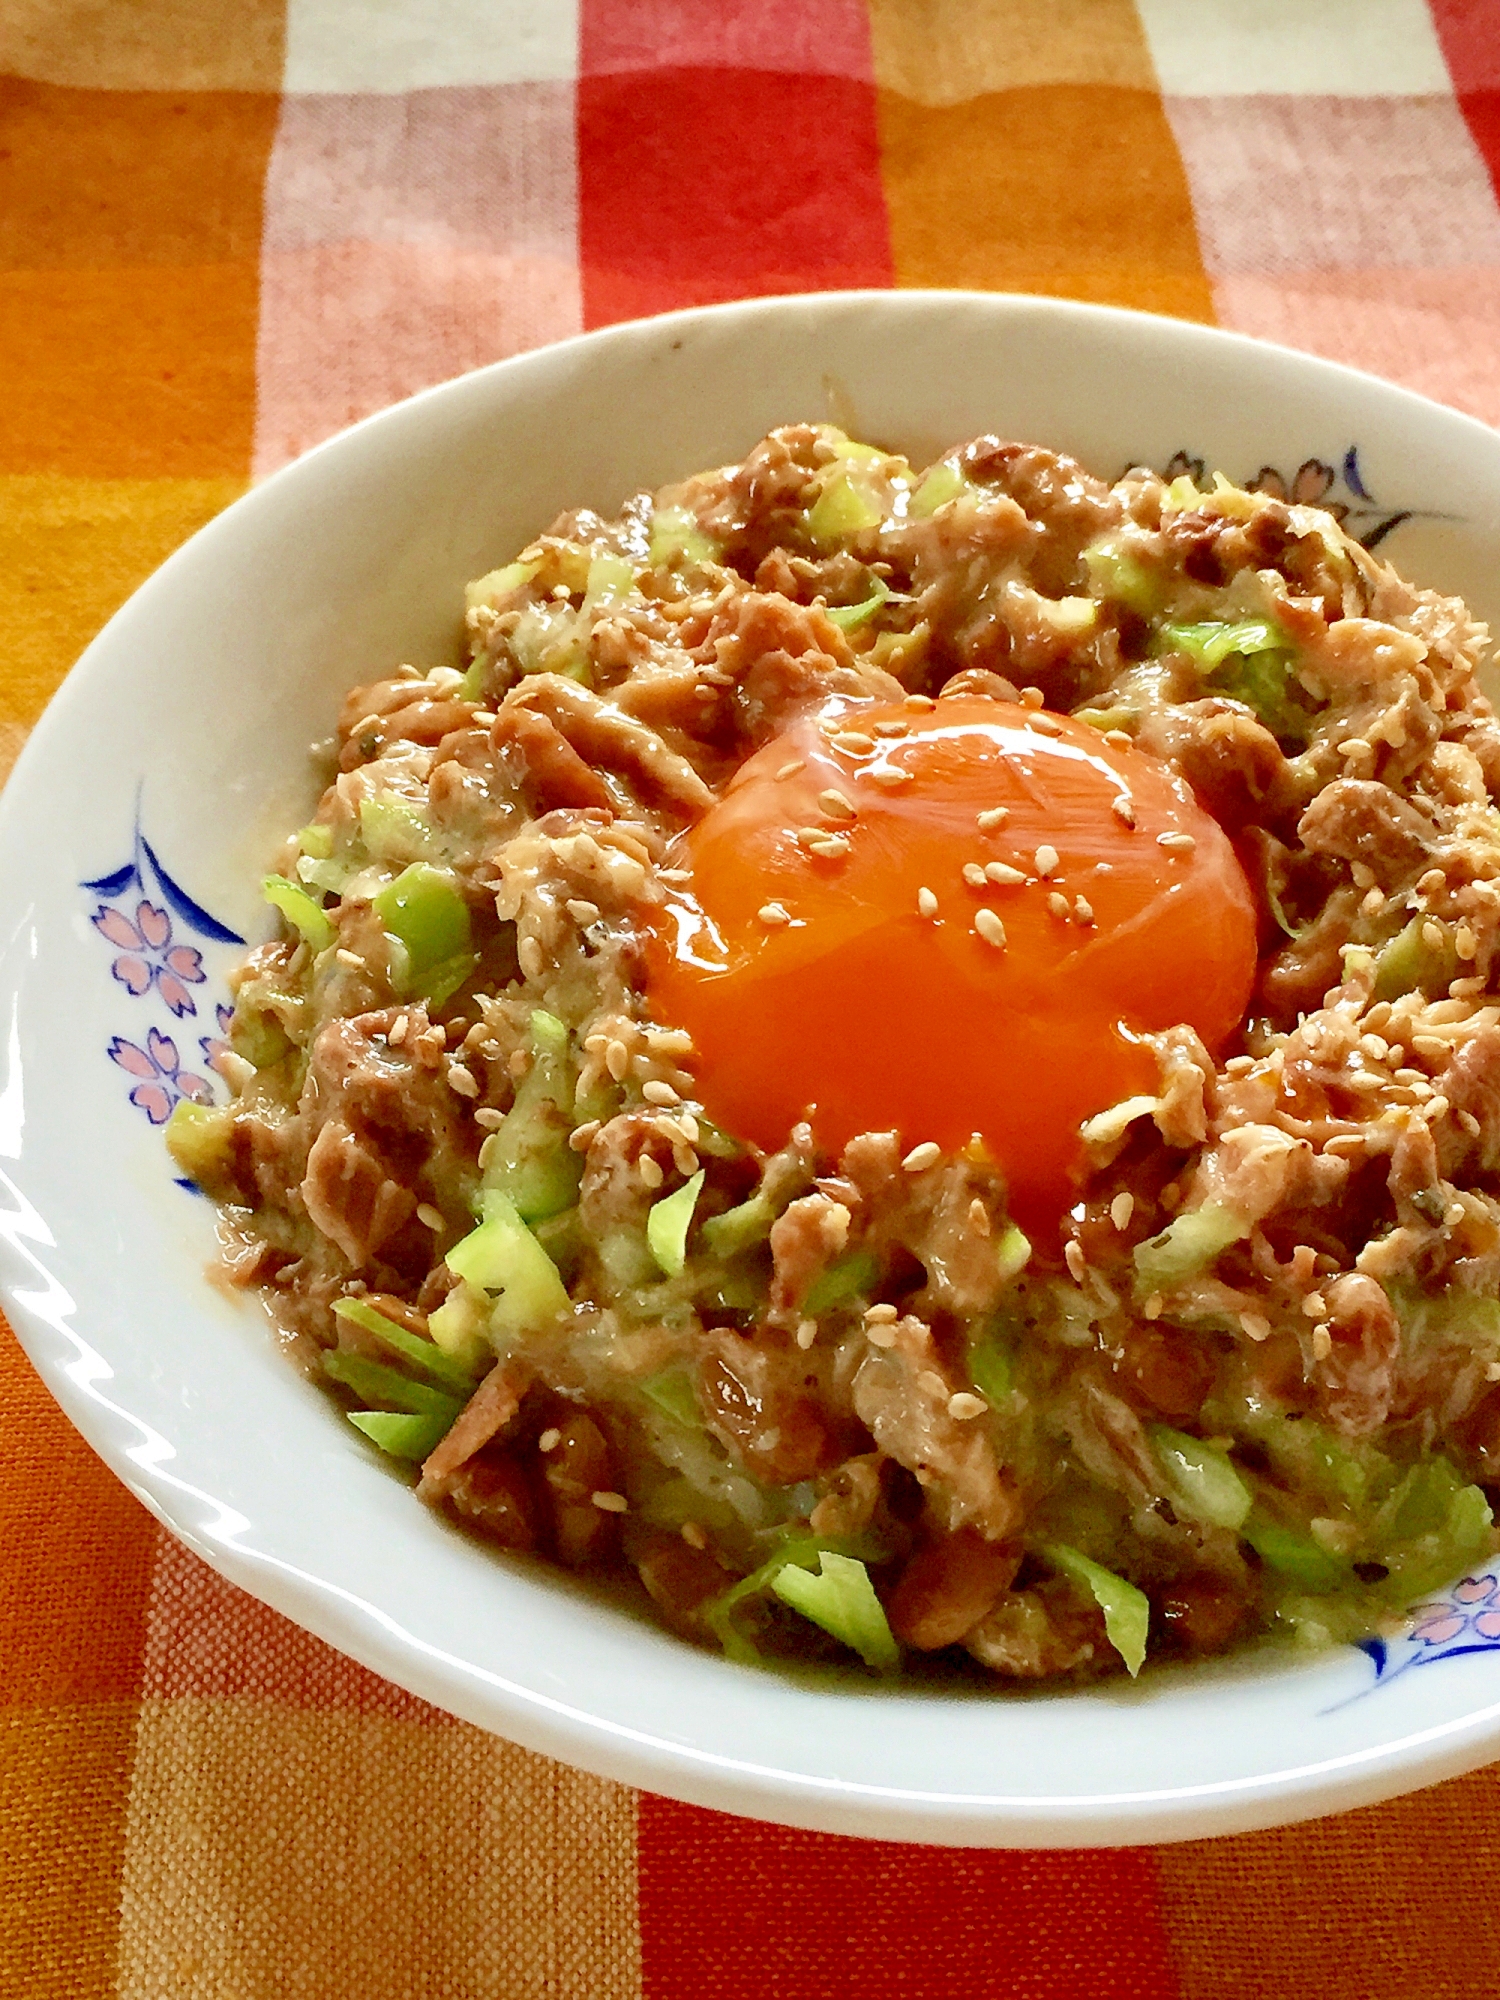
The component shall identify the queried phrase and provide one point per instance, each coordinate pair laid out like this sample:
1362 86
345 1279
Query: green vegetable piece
842 509
841 1598
1212 643
944 482
499 583
1127 1611
316 841
200 1137
1310 1457
611 579
376 1383
849 617
441 1368
674 532
1298 1557
423 910
441 981
1122 578
847 1278
503 1256
673 1394
1205 1486
737 1229
395 830
990 1367
1189 1244
719 1612
668 1223
528 1159
460 1327
407 1437
1012 1253
1409 961
305 915
1265 682
332 877
1431 1527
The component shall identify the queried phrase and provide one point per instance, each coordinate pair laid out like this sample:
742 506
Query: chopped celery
1409 961
841 1598
443 1369
673 1394
1122 578
306 916
943 483
1205 1486
1127 1611
394 829
499 583
674 532
1189 1244
849 617
844 1280
199 1138
317 841
423 910
528 1158
738 1228
1211 643
1294 1555
460 1326
503 1256
1012 1253
379 1384
842 509
668 1223
409 1437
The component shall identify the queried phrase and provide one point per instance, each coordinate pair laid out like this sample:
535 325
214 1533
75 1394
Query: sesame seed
1492 1371
1152 1307
582 1136
979 1217
807 1333
832 848
1083 910
806 835
773 914
1119 739
1046 860
792 767
893 727
1465 943
582 912
1176 843
932 1384
616 1059
487 1117
834 803
1374 901
529 952
657 1092
889 775
650 1170
1432 936
350 958
610 1503
992 817
921 1157
1046 725
1032 697
853 742
1454 1214
1075 1260
549 1440
462 1081
881 1315
675 874
1002 873
964 1407
1322 1343
1123 808
1122 1208
430 1217
1315 1306
974 875
399 1027
880 1336
1059 905
693 1534
685 1160
927 903
921 702
1256 1325
485 717
989 927
1470 1124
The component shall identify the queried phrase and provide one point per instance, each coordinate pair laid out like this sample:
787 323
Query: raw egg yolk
952 921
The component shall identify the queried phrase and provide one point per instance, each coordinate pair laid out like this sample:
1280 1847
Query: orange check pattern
228 227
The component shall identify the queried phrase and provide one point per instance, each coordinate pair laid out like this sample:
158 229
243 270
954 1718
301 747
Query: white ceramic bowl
162 774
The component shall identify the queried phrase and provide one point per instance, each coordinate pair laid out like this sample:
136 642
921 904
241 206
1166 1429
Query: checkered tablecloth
227 227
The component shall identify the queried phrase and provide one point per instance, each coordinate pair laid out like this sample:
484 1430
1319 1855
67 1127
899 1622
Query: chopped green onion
1012 1253
430 1358
394 829
503 1256
738 1228
528 1158
1122 578
943 483
1189 1244
610 580
306 917
841 1598
673 1394
1127 1611
668 1224
406 1437
499 583
378 1384
991 1369
674 532
199 1138
460 1326
1296 1556
1211 643
849 617
842 509
1205 1486
844 1280
441 981
1409 961
316 840
425 912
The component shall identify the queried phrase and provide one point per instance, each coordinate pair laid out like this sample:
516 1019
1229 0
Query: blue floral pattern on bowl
1339 491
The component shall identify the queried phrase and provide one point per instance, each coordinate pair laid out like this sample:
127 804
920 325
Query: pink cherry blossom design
1487 1624
163 1082
118 928
1438 1631
155 925
180 965
133 972
175 994
1476 1589
187 963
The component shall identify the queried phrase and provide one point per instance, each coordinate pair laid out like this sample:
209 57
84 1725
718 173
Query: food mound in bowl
909 1057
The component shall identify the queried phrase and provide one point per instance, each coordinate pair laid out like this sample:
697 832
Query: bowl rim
77 1374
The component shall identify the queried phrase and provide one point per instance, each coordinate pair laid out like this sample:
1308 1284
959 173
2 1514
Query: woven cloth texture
227 228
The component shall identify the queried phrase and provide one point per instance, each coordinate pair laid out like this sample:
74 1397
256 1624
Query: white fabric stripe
1347 48
441 224
400 45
